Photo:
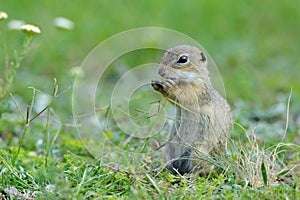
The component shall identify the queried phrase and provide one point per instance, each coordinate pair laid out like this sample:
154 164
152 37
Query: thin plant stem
47 141
23 136
81 182
17 106
287 114
47 137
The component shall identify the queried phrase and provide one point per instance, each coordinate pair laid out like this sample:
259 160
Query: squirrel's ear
202 57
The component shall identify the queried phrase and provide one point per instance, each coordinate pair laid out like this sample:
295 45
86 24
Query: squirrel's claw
157 85
163 86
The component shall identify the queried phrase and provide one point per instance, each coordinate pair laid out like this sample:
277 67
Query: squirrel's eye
182 59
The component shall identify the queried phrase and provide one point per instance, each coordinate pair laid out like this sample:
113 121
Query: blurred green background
255 44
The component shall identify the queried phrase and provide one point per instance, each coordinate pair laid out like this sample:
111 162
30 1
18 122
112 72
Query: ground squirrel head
185 63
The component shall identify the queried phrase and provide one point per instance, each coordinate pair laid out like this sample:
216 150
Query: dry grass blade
287 114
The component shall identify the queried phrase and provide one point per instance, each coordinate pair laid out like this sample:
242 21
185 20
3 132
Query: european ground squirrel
203 120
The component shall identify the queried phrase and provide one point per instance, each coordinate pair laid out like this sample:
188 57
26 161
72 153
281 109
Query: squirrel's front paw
157 85
163 86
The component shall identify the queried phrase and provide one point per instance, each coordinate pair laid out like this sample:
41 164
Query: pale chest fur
205 117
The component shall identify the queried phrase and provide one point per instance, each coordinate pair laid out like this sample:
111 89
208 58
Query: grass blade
153 183
284 172
264 173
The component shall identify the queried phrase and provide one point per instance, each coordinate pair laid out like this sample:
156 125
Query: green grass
254 44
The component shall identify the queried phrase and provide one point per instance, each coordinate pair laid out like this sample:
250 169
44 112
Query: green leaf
284 172
264 173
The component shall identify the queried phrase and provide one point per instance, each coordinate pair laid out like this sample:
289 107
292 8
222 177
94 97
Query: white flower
30 29
3 16
63 23
50 188
15 24
76 71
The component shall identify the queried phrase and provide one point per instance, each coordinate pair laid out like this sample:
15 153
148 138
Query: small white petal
15 24
30 29
64 23
50 187
3 15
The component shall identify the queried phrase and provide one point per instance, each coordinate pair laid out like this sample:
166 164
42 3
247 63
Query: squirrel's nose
161 70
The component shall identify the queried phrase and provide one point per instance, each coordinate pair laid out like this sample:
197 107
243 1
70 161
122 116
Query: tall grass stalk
48 144
21 141
27 122
47 140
